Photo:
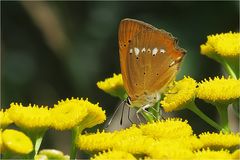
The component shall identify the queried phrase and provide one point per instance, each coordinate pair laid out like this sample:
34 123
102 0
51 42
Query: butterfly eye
129 41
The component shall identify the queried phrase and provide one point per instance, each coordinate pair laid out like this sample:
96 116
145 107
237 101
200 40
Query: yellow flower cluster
113 86
4 119
224 44
15 141
179 94
219 89
64 115
168 144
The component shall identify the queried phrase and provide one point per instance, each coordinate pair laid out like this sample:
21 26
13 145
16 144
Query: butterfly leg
144 110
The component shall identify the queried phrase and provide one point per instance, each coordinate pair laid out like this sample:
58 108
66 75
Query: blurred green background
57 50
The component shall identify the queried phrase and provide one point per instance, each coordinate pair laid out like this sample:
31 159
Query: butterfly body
149 59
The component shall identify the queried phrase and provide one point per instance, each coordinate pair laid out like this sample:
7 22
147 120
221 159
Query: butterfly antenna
115 112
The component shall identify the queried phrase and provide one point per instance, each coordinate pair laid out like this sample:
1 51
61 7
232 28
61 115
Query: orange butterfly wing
144 70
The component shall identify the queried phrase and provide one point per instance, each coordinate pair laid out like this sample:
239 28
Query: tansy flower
30 117
211 154
105 140
4 119
68 114
96 142
219 140
95 114
122 140
224 44
113 86
170 128
179 95
16 141
113 155
219 90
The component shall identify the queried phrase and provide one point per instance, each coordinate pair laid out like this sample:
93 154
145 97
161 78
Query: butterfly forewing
149 58
128 29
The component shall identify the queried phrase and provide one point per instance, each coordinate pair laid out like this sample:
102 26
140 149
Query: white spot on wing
144 50
131 51
136 50
154 51
162 50
149 50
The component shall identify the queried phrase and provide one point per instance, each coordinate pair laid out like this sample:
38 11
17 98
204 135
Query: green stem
38 142
37 137
223 114
228 68
75 134
192 106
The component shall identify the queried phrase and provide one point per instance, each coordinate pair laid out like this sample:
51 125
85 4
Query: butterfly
149 59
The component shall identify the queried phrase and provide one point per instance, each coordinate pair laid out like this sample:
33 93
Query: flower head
113 155
224 44
68 114
219 90
113 86
211 154
4 119
219 140
170 128
96 142
30 117
180 94
16 141
106 140
95 114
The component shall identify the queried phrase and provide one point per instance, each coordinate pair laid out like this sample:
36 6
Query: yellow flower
113 86
219 140
30 117
16 141
95 114
170 128
113 155
210 154
105 140
4 119
219 90
68 114
180 94
236 154
96 142
224 44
